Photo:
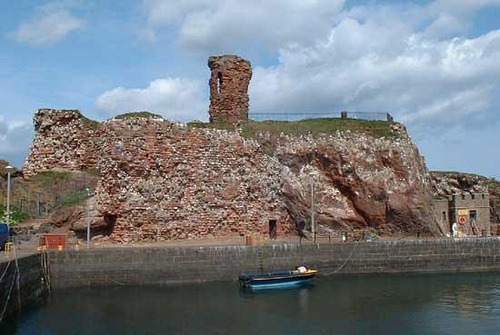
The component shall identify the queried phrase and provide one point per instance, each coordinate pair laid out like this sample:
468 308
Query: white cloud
50 24
175 98
220 25
15 138
379 61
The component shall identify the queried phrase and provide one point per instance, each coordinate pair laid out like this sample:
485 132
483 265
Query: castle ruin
229 89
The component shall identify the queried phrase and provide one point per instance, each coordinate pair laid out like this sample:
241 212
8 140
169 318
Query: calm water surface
424 304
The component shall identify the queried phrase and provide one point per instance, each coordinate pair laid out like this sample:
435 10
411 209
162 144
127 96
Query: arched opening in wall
219 82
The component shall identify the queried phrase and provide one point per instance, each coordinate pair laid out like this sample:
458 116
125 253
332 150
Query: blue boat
298 277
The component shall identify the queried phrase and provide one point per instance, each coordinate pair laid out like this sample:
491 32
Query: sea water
389 304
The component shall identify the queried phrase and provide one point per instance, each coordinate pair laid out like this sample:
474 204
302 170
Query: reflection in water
424 305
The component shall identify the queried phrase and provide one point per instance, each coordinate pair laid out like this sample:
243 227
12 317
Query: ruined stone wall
228 83
64 139
166 181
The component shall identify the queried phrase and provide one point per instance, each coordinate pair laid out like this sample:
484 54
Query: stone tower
229 88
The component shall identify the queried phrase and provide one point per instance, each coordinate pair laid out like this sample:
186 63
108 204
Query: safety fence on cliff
298 116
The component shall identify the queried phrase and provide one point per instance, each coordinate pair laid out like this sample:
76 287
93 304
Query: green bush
15 216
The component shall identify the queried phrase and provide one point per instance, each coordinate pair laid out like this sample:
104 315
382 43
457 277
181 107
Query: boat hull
277 280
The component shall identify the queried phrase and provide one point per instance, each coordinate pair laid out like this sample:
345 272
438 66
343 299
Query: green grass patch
92 124
50 178
72 199
137 114
320 126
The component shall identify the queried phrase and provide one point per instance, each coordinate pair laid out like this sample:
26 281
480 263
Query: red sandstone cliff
160 180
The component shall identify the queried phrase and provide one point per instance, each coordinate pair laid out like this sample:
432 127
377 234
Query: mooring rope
345 262
45 269
8 297
18 279
6 268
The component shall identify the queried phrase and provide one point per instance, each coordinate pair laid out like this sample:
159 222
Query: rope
45 270
18 279
345 262
6 268
8 298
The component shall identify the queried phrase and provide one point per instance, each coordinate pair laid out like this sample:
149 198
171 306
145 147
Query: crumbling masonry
229 89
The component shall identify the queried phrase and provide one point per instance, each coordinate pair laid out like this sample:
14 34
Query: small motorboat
300 276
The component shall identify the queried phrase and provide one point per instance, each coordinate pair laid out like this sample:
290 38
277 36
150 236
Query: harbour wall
20 283
174 265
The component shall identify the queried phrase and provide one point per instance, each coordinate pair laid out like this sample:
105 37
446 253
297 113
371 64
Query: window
444 216
219 82
473 196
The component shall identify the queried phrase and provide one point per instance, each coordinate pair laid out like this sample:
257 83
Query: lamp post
88 219
9 169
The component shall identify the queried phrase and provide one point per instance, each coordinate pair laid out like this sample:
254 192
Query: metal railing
298 116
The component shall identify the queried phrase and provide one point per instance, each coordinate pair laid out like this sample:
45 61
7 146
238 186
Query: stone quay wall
175 265
16 294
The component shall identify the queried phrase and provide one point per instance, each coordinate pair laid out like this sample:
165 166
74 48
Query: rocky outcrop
228 83
358 181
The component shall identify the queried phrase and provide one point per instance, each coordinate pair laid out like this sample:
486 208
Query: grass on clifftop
50 178
319 126
309 126
137 114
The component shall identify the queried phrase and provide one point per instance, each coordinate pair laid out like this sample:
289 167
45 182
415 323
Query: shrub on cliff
137 114
15 216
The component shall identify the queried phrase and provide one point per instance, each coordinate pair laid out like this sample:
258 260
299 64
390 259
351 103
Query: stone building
470 211
229 89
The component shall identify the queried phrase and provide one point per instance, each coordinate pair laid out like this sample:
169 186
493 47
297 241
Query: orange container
54 241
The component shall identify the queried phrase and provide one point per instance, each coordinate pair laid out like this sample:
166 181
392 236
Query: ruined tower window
219 82
473 196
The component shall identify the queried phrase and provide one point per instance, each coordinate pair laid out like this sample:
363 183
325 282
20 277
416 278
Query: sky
433 65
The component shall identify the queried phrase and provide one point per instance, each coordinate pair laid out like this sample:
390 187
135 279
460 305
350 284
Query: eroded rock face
450 183
358 181
228 83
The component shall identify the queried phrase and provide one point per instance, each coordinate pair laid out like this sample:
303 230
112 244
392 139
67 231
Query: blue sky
434 65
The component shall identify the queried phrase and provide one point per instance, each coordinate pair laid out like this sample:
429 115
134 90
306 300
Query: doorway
272 229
